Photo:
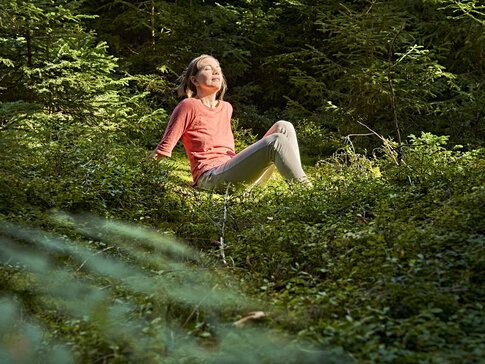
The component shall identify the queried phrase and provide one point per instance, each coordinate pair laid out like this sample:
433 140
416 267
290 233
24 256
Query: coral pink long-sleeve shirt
206 134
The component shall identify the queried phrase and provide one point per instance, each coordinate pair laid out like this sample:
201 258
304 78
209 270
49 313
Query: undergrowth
382 261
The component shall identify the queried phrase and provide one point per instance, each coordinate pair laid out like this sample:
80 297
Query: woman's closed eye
213 69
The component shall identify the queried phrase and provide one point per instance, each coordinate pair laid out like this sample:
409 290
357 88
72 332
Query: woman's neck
208 100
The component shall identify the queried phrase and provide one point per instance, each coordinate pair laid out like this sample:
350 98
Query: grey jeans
256 163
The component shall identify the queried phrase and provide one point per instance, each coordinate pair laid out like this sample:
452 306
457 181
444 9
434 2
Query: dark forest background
400 67
382 260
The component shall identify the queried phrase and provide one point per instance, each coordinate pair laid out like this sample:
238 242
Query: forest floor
380 261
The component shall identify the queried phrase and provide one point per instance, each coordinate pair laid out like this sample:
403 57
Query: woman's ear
193 79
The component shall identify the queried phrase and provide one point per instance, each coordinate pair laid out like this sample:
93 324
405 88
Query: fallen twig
250 316
221 240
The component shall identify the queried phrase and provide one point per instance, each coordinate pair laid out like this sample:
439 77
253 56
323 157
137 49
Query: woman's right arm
181 118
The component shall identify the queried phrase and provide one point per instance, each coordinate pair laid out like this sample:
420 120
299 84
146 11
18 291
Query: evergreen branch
415 46
468 13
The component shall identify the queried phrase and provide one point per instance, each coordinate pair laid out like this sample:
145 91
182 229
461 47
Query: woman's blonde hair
187 88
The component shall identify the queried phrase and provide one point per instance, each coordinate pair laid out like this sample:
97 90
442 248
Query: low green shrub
381 260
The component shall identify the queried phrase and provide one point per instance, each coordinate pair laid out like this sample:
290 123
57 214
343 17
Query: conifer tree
48 58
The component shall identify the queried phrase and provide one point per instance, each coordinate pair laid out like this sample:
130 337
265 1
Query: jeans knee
280 141
272 139
283 125
274 142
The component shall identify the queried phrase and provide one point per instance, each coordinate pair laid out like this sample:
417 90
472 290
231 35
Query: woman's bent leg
255 164
287 158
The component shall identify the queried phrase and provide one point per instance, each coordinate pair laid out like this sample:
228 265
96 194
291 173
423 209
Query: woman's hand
154 156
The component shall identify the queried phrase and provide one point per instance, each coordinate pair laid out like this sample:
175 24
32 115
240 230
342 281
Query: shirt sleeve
180 120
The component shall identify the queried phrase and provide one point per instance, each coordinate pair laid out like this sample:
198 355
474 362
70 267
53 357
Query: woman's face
209 77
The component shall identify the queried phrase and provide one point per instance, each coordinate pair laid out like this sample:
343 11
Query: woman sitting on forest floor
203 121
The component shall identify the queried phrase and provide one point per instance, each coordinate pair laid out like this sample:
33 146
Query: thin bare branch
371 6
391 88
386 143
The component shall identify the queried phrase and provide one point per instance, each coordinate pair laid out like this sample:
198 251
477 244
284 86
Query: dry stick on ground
391 89
221 240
